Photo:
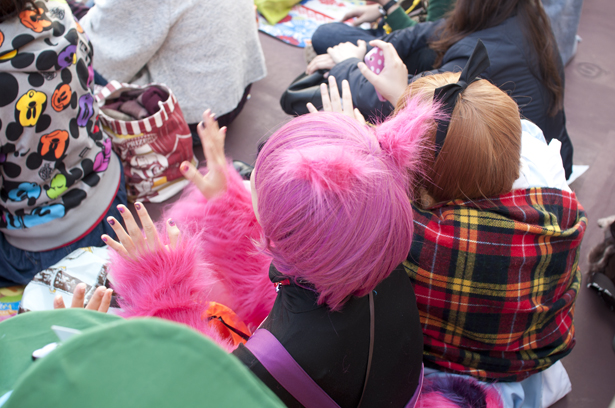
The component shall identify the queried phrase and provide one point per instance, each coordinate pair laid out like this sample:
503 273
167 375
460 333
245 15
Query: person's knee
326 36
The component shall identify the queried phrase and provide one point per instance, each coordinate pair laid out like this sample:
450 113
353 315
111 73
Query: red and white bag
151 149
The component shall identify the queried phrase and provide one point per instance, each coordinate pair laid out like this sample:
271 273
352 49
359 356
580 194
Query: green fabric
23 334
275 10
140 363
398 19
438 8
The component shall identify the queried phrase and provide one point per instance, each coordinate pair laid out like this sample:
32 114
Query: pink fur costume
216 261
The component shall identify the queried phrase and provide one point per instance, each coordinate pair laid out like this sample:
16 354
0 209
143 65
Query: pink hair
333 199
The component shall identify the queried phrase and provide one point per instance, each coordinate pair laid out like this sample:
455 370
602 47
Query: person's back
205 51
59 175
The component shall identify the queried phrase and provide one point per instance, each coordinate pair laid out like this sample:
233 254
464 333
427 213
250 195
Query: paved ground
589 103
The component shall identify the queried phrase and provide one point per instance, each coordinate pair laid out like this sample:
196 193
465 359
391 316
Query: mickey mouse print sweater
58 175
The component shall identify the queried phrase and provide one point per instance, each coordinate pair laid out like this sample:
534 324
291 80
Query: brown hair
481 155
11 8
470 16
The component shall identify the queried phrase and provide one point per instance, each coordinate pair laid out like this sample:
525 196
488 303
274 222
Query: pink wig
333 199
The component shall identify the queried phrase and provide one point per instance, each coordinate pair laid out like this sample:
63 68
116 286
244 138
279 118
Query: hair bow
447 95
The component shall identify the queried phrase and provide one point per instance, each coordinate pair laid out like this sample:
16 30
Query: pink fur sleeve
169 284
226 228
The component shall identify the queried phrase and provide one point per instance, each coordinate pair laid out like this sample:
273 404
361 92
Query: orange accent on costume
220 317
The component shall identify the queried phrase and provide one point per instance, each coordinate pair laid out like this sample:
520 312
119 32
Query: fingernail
110 290
184 168
138 206
104 239
171 223
111 221
121 209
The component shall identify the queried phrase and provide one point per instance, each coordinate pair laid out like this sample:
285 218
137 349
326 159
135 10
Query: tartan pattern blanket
496 281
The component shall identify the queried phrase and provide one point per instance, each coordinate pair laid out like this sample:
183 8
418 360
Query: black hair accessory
447 95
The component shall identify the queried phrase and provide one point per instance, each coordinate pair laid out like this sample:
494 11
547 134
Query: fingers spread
336 103
106 301
132 228
326 102
173 233
347 99
96 298
116 246
151 235
58 302
78 295
359 116
311 108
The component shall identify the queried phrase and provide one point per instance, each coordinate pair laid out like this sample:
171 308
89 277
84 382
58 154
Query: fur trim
226 228
169 284
450 391
403 135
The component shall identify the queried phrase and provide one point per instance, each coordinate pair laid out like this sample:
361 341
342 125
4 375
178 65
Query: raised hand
100 300
134 243
212 138
393 79
331 101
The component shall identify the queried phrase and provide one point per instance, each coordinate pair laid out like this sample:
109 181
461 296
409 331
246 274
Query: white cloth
541 163
206 51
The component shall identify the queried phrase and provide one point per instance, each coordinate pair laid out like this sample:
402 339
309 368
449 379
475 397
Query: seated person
497 234
525 62
208 55
59 176
329 209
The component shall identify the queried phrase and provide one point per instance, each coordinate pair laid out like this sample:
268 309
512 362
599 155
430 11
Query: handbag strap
372 329
282 366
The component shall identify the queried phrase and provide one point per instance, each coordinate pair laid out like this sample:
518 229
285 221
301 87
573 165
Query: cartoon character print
1 38
52 146
35 20
60 99
57 186
101 162
37 216
30 107
86 109
38 21
26 191
68 56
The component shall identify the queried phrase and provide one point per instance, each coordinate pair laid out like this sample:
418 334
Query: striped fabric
496 280
135 127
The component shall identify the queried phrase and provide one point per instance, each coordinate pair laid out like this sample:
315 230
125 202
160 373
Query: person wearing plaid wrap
497 232
496 280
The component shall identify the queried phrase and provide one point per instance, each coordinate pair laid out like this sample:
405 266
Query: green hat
21 335
140 363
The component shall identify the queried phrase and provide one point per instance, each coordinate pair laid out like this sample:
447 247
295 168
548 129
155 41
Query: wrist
389 5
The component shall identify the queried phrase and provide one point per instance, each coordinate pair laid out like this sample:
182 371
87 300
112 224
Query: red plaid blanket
496 280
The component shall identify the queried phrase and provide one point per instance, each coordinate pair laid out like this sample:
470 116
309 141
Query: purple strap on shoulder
417 393
283 367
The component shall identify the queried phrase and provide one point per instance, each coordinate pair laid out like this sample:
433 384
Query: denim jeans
18 267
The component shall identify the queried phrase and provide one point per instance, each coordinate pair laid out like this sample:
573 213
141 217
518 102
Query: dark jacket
514 69
332 347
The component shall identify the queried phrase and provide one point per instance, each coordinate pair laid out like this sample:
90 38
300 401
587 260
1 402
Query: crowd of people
395 250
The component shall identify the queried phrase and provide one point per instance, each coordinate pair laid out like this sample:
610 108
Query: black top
514 69
332 347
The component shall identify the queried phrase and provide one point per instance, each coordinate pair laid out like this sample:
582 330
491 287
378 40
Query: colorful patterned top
496 281
54 159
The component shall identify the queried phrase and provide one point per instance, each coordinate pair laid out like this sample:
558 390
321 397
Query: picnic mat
304 18
9 301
